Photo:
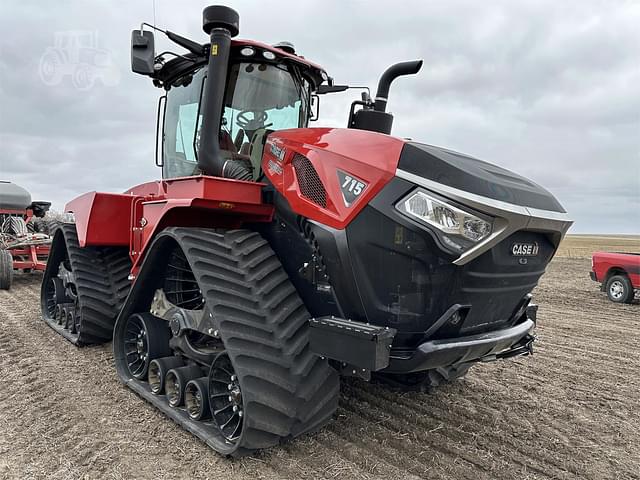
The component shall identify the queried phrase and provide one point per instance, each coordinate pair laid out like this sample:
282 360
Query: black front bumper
592 276
508 342
362 348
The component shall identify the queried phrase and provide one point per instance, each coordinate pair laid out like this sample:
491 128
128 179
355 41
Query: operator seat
255 150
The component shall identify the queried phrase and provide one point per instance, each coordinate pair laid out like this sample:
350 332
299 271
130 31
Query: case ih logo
274 168
276 151
351 187
524 249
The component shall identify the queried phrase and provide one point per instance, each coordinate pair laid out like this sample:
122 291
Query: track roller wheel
196 398
63 316
69 319
146 338
225 398
51 304
176 381
59 316
158 369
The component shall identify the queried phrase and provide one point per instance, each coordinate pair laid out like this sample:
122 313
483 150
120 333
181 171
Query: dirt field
582 246
572 411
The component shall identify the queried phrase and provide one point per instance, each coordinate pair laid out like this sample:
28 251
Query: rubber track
287 390
101 280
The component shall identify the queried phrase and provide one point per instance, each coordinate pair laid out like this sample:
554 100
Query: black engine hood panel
475 176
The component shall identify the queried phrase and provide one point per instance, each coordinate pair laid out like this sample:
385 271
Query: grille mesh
310 185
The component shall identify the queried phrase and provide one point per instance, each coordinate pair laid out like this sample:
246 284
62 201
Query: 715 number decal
351 187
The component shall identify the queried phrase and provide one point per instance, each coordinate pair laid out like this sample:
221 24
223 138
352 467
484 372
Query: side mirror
314 113
142 52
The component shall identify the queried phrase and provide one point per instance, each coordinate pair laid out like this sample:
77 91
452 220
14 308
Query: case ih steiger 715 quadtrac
272 258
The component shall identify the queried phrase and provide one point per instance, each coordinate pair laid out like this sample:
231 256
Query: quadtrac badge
351 187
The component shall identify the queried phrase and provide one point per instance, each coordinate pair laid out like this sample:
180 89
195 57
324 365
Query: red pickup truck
619 274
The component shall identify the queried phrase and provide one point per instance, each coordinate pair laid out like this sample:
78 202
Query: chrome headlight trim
509 217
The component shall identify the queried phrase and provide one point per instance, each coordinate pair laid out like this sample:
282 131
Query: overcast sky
549 89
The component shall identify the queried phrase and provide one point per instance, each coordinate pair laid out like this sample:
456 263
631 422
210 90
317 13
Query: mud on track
572 411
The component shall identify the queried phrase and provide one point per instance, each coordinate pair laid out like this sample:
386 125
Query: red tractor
273 258
24 234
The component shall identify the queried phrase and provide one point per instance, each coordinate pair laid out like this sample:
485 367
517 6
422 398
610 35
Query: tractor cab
260 97
264 88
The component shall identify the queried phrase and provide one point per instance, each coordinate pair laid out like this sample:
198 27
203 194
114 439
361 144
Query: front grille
407 282
495 282
309 182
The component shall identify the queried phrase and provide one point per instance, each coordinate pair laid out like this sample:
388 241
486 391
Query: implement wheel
6 269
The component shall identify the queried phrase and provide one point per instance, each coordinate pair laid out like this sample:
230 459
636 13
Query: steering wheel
255 123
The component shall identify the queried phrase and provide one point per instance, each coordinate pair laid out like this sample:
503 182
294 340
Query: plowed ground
572 411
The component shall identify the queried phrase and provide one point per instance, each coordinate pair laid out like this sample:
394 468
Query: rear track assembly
83 289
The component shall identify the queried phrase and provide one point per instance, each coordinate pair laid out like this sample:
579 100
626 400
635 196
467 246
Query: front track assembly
232 365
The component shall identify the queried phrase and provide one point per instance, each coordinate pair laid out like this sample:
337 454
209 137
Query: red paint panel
155 188
368 156
102 218
134 218
214 188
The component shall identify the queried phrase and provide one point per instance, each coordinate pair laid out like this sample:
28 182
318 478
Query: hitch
521 349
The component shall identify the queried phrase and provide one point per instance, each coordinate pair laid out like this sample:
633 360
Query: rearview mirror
142 52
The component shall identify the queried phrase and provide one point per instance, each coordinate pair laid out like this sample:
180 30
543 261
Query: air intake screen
310 185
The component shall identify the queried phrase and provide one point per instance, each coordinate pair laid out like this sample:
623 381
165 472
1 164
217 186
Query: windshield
262 96
259 97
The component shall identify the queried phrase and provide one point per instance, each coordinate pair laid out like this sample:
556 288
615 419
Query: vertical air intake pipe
220 23
373 117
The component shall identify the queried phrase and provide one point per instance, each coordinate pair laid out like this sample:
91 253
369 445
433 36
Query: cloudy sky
548 89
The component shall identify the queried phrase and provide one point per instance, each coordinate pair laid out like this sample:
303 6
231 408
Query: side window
179 158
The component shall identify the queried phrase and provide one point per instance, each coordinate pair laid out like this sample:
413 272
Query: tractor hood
474 176
337 172
513 202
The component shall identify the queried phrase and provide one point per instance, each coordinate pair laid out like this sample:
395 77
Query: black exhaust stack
221 24
373 116
390 74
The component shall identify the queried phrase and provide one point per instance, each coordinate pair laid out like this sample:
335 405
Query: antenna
154 13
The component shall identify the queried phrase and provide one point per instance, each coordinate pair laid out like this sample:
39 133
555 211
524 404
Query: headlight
450 220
